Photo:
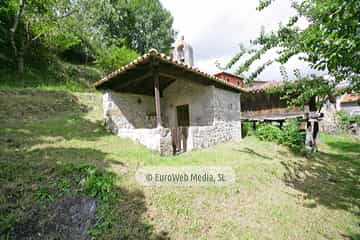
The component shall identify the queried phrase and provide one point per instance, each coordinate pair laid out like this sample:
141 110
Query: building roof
229 74
139 74
260 81
264 87
348 98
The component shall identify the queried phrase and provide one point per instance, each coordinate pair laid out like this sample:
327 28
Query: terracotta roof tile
153 53
351 97
264 87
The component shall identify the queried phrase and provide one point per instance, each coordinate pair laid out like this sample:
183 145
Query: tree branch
55 19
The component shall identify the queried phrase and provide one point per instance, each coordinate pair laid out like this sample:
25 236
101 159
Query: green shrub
345 119
289 136
357 119
115 57
269 132
292 137
247 129
99 184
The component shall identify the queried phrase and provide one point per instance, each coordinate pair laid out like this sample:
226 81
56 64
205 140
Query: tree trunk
19 55
20 61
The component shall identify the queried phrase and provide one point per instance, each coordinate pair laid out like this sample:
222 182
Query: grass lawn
50 140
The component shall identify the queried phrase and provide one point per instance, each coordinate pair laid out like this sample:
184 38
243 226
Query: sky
216 28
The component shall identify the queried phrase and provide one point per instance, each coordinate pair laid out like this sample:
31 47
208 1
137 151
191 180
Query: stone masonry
214 115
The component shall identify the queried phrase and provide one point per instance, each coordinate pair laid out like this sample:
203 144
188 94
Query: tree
141 24
89 28
33 19
331 41
304 90
152 27
115 57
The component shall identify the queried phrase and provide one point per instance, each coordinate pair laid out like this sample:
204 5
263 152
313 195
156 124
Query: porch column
157 97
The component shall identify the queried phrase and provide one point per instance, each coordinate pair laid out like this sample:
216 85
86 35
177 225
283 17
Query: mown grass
63 149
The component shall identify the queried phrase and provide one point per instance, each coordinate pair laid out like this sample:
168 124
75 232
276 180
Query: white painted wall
130 110
200 100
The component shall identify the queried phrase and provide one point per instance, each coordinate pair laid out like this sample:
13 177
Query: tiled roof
154 54
264 87
229 74
351 97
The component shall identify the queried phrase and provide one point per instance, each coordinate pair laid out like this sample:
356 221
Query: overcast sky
215 29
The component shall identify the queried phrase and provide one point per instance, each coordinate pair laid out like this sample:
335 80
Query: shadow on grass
253 153
330 177
32 182
35 175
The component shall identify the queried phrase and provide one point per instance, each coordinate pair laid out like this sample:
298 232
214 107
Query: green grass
53 144
51 75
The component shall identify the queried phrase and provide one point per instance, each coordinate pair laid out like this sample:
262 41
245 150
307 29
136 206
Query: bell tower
183 52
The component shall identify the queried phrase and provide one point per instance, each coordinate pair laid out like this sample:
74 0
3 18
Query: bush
345 119
357 119
247 129
292 137
114 57
269 132
289 136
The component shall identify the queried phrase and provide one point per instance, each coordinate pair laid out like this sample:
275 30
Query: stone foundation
207 136
160 140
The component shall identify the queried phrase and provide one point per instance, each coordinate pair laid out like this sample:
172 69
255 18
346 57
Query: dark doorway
183 116
180 133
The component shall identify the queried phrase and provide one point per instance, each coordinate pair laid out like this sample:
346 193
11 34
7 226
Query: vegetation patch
53 74
32 104
345 120
289 135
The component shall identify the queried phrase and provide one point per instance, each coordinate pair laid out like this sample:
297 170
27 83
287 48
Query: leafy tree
331 41
115 57
32 20
313 91
141 24
90 28
152 27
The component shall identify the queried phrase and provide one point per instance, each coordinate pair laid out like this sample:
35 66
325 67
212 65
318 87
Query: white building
170 106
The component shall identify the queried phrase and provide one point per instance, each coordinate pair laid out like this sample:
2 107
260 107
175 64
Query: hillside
54 75
55 155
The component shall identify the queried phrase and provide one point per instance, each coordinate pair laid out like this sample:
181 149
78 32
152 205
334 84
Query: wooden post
157 97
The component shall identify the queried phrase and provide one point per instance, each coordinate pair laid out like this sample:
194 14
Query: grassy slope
276 196
52 75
